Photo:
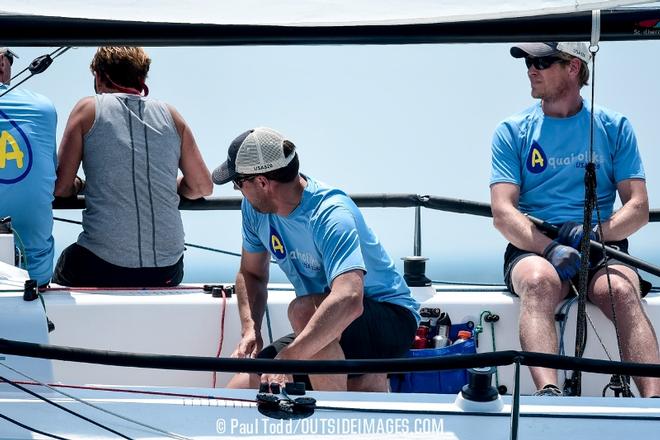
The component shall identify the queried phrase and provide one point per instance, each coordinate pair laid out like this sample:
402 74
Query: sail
299 12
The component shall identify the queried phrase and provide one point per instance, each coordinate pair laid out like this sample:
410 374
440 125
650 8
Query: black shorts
513 255
79 267
384 330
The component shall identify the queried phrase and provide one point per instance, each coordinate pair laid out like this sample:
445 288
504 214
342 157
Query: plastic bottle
420 337
463 335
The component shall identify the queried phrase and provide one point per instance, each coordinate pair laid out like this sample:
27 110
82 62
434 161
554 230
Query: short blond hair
123 65
583 77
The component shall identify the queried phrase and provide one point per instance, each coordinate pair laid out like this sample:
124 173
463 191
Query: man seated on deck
131 148
28 122
538 159
350 300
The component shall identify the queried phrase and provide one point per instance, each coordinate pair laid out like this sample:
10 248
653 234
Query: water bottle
463 335
440 341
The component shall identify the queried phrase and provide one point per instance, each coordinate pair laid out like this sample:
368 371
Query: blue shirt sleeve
505 160
251 242
336 236
627 161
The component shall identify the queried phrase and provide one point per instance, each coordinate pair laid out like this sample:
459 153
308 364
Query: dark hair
289 172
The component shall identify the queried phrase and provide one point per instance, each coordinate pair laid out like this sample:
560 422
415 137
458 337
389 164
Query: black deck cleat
295 388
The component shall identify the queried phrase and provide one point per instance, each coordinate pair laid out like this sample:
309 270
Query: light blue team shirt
546 156
27 174
324 237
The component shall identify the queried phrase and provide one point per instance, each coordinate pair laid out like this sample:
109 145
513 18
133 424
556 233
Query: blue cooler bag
440 382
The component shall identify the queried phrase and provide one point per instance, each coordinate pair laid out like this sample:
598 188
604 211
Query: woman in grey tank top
131 148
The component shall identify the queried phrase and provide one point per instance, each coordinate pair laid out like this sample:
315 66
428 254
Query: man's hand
248 347
571 233
565 259
282 379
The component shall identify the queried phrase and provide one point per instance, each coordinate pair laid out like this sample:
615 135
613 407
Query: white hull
187 322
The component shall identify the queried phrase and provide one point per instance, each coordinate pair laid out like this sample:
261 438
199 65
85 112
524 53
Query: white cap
255 151
576 49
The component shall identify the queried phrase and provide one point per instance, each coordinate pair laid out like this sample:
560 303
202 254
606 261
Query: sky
368 119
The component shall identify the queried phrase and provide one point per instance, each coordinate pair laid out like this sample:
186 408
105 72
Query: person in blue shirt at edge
28 123
131 148
538 159
350 300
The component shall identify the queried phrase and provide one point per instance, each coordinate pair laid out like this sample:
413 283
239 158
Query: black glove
565 259
570 234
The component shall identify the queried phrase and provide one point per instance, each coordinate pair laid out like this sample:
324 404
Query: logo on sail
536 161
15 151
277 244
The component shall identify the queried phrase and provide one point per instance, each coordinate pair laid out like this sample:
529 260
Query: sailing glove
565 259
571 233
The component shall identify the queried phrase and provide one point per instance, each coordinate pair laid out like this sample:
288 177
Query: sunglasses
240 180
542 63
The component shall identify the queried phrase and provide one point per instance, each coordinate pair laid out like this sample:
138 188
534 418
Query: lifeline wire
144 425
29 428
57 405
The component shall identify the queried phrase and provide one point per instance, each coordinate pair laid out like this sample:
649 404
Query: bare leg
243 380
638 340
300 312
369 383
540 290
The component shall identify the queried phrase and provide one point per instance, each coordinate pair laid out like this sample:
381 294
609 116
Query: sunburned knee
539 287
300 312
622 294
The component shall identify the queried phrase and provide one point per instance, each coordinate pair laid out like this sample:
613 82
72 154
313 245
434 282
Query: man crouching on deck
350 301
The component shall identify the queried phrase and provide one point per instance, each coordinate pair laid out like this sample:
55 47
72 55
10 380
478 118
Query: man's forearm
625 222
251 296
337 311
520 231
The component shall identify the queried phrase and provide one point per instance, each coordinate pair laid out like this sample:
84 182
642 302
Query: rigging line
139 391
594 49
593 327
192 245
57 405
222 331
31 429
38 65
84 402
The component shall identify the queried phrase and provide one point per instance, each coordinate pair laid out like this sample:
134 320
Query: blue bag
439 382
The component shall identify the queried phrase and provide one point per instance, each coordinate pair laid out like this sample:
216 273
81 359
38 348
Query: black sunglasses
239 180
542 63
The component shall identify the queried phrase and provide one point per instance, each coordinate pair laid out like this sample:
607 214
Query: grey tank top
131 160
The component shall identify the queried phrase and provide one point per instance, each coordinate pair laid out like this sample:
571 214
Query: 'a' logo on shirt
15 151
536 161
277 244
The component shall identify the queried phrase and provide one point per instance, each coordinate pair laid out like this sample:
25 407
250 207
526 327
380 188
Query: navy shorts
597 261
384 330
79 267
